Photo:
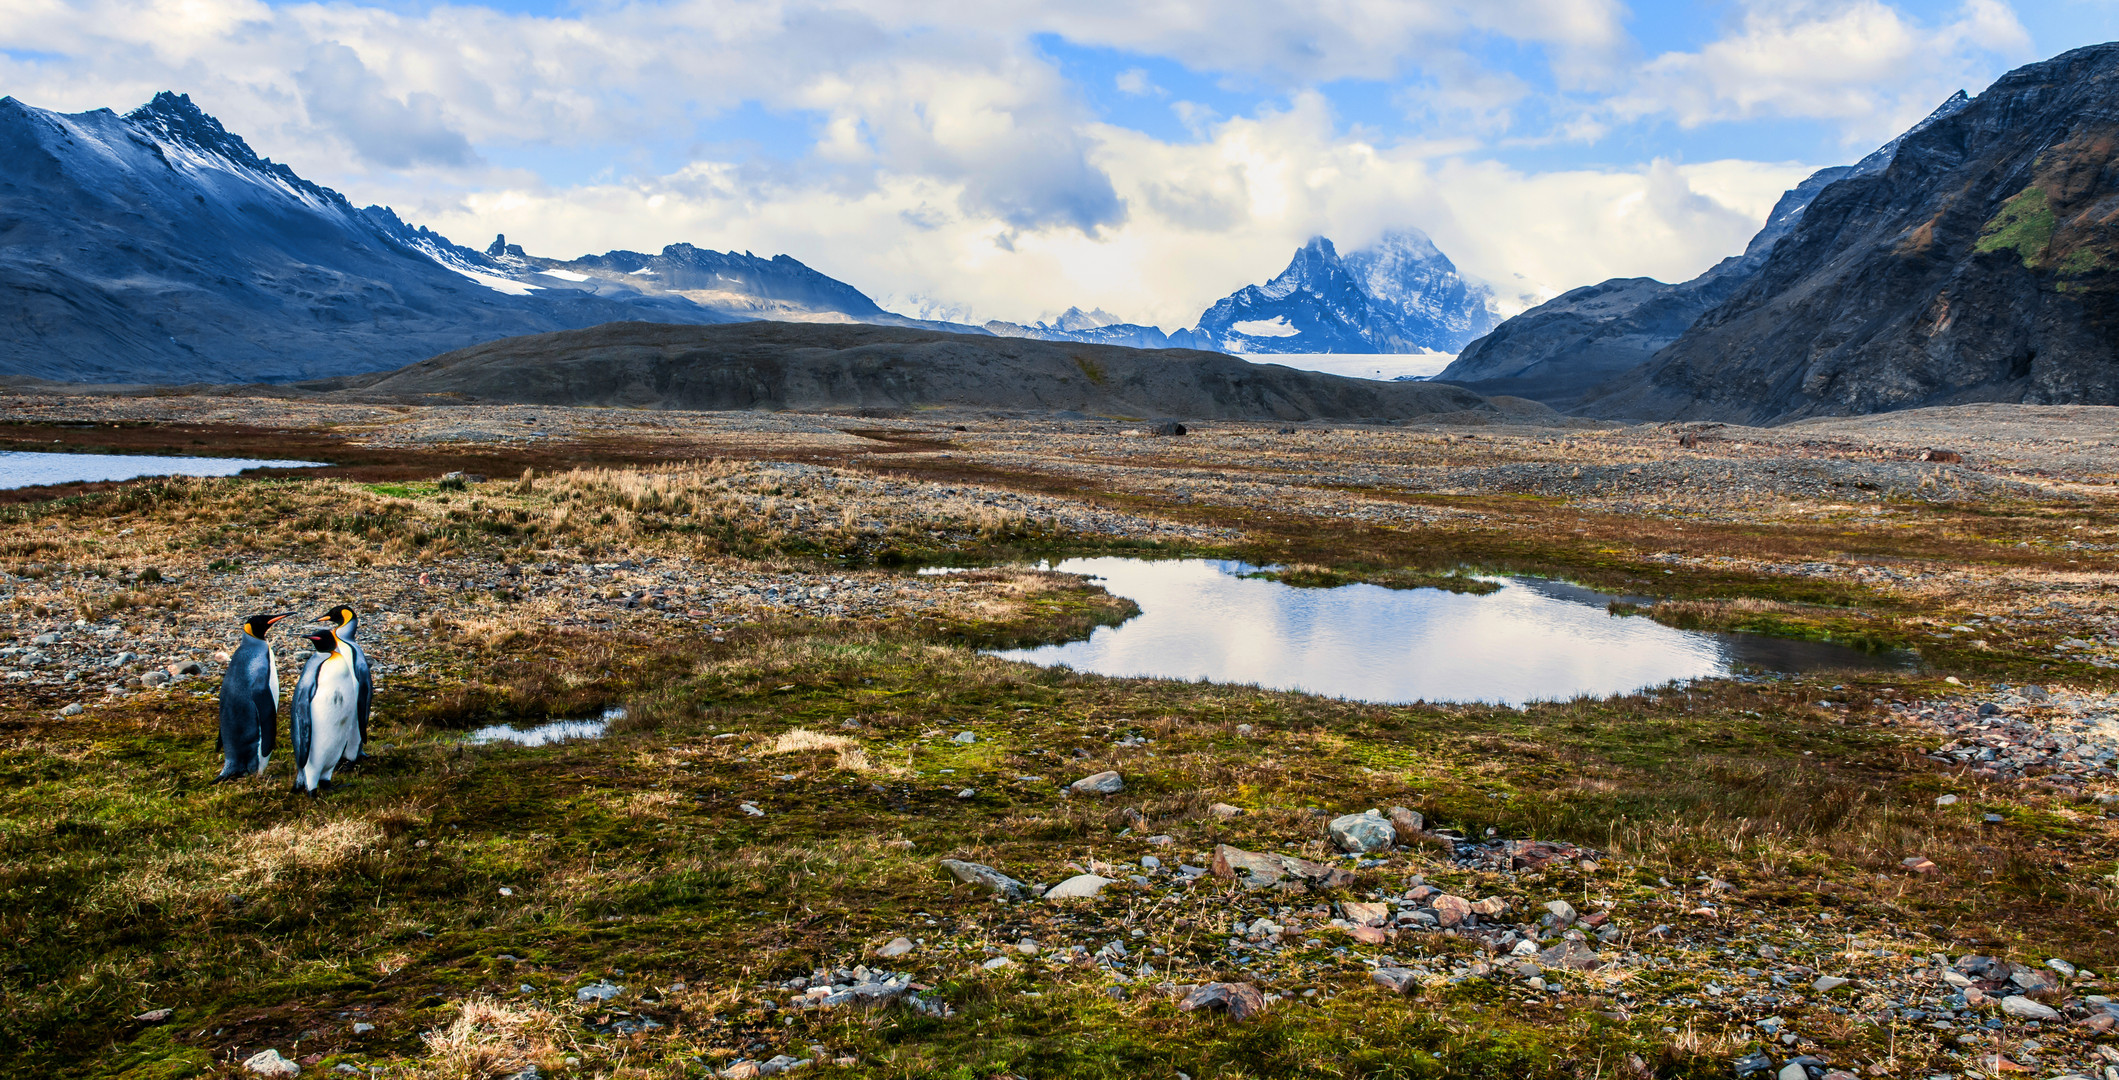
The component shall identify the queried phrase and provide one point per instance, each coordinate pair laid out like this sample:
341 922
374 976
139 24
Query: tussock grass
490 1039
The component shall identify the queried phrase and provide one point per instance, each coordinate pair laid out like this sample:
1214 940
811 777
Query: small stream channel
1532 640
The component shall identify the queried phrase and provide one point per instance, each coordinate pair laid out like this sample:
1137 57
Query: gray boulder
1363 832
985 877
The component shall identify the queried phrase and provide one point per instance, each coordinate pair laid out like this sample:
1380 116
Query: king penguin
323 719
250 701
346 623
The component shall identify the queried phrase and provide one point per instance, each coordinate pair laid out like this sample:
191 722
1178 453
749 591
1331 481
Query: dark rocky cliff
1981 265
1561 350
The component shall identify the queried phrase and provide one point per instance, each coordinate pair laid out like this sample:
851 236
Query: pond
28 468
558 731
1531 640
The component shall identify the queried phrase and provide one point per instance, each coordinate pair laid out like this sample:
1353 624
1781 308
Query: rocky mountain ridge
1981 263
1562 350
778 365
158 247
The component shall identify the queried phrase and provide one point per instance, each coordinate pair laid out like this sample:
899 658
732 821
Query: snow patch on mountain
1277 326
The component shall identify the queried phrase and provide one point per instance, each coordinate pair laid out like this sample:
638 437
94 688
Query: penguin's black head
256 625
338 616
324 640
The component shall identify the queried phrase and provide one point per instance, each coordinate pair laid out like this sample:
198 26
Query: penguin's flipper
268 721
298 714
367 698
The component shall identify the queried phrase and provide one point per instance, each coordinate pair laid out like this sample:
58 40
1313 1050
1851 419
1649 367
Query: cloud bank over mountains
1014 159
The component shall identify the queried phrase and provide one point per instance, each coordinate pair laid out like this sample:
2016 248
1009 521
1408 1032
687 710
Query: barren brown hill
773 365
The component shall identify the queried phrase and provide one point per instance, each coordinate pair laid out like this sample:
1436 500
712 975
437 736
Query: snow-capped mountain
1400 295
1408 277
1099 327
158 247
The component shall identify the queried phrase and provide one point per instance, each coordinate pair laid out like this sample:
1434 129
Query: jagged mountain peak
1075 319
1400 294
1880 159
174 117
1407 244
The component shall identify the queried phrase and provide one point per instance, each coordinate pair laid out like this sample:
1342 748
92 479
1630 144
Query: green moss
2024 225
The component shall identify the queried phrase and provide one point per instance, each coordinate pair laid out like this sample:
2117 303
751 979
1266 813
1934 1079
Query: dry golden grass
254 861
1705 610
850 756
796 740
490 1039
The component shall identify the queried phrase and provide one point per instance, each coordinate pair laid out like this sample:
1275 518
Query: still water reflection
25 468
558 731
1533 640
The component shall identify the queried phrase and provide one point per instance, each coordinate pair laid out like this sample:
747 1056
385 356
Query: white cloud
1135 82
952 160
1203 219
340 92
1861 63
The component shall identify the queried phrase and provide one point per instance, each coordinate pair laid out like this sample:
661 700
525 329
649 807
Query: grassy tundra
787 774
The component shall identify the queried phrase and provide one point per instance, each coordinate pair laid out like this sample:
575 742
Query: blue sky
1009 158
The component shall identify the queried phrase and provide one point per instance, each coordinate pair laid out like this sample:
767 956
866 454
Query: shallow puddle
1533 640
558 731
27 468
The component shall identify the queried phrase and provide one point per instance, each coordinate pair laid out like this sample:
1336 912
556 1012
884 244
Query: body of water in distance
1532 640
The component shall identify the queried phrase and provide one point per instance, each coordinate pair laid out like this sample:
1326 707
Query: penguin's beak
281 615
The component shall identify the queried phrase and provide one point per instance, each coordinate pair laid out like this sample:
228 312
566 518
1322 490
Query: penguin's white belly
334 719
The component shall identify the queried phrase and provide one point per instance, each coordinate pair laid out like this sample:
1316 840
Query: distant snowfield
1383 366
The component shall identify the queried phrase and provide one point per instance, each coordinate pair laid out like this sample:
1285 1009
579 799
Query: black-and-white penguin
346 623
250 701
323 719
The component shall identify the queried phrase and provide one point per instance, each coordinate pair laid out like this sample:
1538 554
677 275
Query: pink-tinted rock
1366 914
1241 1001
1450 910
1261 869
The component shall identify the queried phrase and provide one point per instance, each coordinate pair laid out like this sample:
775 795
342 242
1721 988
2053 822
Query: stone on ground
1450 910
270 1063
985 877
1362 914
1406 822
1363 832
2023 1008
1259 870
1241 1001
1103 783
598 991
1078 887
1395 980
